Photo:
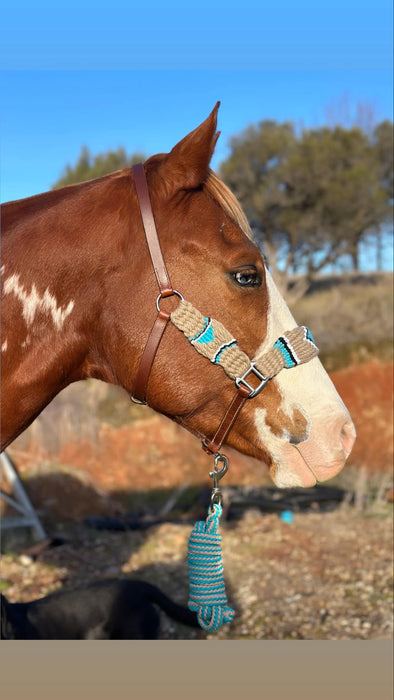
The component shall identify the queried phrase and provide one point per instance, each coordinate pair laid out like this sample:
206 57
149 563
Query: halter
211 339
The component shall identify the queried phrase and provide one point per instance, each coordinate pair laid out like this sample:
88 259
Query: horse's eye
247 278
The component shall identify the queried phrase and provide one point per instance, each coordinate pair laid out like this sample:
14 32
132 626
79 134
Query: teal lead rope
207 591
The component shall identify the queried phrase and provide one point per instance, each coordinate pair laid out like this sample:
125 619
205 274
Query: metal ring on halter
174 291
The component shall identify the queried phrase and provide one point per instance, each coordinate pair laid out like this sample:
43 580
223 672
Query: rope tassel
207 591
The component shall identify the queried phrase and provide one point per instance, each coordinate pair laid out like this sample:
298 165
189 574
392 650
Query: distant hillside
350 316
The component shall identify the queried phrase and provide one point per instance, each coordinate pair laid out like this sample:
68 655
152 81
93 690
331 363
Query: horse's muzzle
317 458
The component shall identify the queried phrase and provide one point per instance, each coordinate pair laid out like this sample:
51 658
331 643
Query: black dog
110 609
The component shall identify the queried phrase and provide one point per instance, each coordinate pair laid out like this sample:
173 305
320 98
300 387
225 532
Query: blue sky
49 115
340 34
106 76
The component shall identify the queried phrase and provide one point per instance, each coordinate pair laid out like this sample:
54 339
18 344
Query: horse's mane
225 198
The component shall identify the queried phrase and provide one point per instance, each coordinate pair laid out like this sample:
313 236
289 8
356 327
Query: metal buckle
138 402
242 381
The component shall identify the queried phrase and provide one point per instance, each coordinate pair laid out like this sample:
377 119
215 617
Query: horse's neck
40 366
50 293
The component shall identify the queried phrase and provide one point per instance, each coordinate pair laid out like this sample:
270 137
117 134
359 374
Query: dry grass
351 320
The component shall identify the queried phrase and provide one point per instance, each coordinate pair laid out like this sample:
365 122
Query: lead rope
207 590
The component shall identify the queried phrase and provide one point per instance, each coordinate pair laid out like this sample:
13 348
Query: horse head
80 300
298 423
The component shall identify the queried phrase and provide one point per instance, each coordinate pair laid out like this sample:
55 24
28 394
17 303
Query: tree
334 196
253 173
311 197
88 166
382 142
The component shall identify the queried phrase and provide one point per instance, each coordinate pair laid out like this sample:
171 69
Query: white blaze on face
309 389
33 302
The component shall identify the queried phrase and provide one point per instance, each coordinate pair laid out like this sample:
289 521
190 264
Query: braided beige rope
272 361
191 322
212 340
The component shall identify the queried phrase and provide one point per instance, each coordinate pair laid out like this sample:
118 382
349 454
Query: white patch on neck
4 345
33 302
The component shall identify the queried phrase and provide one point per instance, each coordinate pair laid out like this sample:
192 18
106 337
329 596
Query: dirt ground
324 576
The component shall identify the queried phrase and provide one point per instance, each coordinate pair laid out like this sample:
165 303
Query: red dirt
367 391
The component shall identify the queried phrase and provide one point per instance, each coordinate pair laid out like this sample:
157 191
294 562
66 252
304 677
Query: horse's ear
187 165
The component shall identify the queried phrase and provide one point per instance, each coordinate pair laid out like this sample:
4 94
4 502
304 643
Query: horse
79 292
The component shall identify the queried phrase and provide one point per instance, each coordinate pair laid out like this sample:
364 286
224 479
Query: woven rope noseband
212 340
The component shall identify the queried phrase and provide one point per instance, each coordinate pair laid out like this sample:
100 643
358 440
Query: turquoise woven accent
283 347
221 350
309 336
206 337
207 321
207 591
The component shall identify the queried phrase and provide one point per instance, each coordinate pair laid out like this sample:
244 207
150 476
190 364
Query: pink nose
325 451
348 437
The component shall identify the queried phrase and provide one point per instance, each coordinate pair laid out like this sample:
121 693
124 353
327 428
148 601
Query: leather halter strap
152 238
149 353
163 280
213 446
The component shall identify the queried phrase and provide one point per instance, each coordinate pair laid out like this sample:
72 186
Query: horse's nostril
296 439
348 436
